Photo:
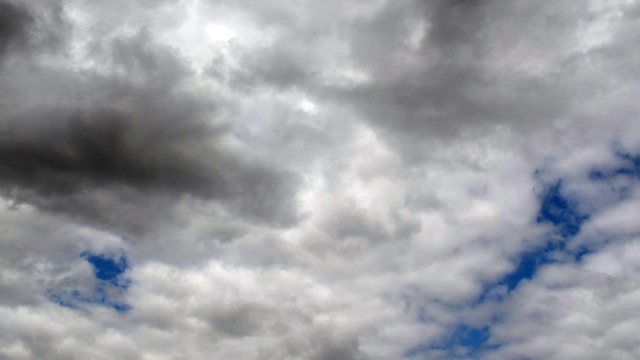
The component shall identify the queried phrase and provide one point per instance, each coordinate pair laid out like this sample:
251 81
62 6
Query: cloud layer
319 180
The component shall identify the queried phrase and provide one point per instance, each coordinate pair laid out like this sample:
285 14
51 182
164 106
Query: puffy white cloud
576 311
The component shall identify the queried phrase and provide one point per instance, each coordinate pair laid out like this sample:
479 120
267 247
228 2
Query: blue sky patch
618 179
107 268
561 211
525 270
472 338
464 341
108 289
629 166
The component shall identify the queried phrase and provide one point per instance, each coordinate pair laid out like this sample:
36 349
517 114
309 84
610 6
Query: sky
319 180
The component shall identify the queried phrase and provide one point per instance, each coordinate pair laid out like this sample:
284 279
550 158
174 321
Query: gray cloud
441 69
132 129
15 22
455 83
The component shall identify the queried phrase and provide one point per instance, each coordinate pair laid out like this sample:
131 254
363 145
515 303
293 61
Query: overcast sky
319 180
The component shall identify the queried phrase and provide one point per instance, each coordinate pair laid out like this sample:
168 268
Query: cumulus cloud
304 180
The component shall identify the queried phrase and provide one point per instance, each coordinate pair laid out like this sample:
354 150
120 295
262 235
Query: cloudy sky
319 180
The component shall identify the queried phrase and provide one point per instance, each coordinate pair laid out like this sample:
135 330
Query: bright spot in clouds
308 107
216 33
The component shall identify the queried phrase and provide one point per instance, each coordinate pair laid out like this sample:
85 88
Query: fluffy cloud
301 180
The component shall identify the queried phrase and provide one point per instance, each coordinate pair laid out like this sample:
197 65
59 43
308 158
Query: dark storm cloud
14 24
72 147
22 29
131 133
